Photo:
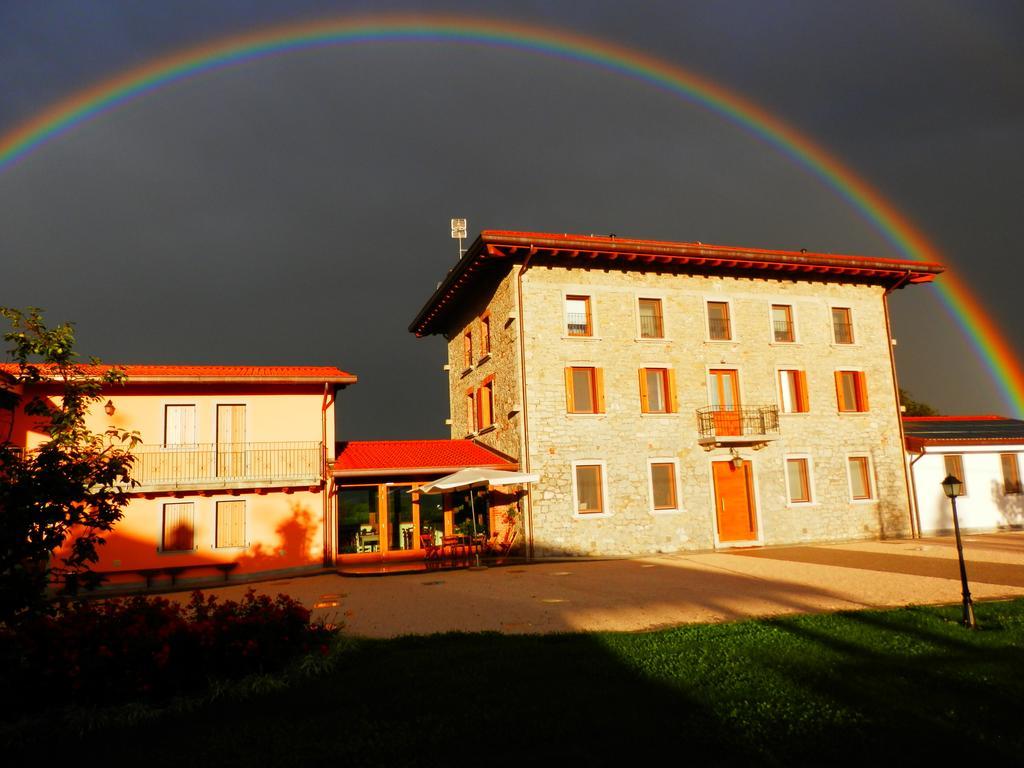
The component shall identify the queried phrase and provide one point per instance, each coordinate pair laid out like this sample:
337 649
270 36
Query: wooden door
724 394
231 441
734 502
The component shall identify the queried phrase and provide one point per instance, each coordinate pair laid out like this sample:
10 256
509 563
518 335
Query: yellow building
678 396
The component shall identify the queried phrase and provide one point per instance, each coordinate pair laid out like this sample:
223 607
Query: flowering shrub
148 647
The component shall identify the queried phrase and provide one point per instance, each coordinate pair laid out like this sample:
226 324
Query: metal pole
472 512
969 620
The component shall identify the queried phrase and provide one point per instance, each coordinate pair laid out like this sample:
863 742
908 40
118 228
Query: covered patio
381 518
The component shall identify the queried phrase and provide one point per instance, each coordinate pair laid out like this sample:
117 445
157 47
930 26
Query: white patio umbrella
473 477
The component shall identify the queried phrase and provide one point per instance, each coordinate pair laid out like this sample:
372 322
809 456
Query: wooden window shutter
645 405
839 391
599 390
570 406
801 392
862 391
671 396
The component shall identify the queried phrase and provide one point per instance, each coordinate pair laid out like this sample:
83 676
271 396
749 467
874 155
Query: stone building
678 396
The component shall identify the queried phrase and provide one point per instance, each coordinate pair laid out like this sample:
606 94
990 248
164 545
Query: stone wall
625 440
502 363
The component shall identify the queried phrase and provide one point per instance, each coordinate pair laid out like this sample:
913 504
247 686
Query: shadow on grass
880 687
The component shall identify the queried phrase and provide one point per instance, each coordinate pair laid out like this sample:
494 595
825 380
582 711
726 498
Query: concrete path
664 590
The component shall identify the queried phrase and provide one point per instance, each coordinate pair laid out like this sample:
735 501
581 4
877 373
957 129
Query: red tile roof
503 248
364 457
220 373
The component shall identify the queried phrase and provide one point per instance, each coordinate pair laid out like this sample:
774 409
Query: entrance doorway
734 502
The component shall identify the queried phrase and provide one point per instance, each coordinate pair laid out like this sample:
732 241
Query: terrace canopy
473 477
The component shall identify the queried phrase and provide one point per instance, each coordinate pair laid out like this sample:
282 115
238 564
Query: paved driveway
664 590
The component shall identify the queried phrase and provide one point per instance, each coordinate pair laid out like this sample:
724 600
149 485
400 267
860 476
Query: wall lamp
109 408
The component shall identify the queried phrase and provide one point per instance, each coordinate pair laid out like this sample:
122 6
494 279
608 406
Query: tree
72 488
914 407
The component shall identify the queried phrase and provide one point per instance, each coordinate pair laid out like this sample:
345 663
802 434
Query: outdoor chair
430 550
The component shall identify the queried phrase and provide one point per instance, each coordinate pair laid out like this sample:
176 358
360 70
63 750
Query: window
851 391
860 477
179 425
651 325
230 524
584 390
718 321
657 390
798 481
179 527
589 489
663 485
793 391
471 411
485 335
467 349
955 467
1011 473
782 323
579 321
485 404
842 325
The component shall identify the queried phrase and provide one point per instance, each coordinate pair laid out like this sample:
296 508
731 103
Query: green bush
145 648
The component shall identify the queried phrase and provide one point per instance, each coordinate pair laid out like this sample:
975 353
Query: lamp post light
953 487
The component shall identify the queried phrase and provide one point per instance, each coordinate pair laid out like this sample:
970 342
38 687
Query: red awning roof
378 457
499 246
221 373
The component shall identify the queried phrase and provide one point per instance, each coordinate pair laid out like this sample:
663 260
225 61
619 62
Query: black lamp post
954 487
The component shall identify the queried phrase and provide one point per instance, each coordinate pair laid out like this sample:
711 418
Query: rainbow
989 343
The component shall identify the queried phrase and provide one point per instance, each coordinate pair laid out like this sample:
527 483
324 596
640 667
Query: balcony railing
236 464
844 333
650 327
737 422
578 324
719 329
783 330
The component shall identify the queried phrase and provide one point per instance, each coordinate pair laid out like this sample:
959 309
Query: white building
984 452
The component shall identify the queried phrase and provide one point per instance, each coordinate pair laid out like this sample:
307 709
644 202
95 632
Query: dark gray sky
295 209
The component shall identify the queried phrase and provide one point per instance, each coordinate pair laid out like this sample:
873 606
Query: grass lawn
886 687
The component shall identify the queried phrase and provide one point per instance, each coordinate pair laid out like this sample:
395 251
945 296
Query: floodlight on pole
459 233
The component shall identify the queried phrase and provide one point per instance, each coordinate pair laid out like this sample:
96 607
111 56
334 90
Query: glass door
401 533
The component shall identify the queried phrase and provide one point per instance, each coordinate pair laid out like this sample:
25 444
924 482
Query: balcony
737 425
238 465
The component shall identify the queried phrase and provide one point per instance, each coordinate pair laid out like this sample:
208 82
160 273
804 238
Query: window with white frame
719 321
651 324
783 331
1011 473
859 468
664 485
578 319
798 479
955 466
588 488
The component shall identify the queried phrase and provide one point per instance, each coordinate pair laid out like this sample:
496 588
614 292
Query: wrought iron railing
298 462
651 327
844 333
737 421
719 329
783 330
578 324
